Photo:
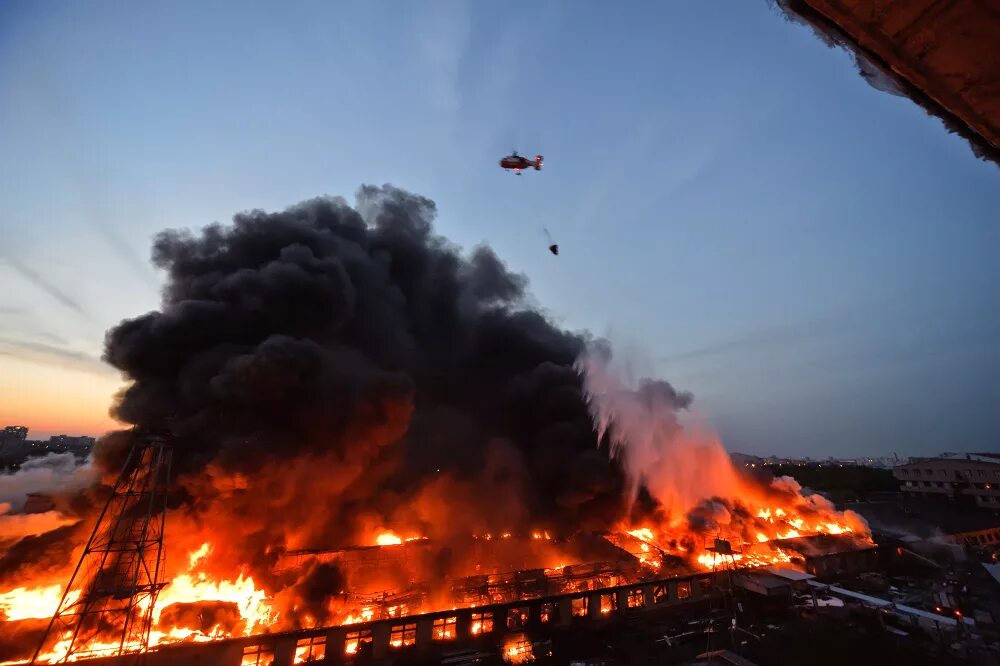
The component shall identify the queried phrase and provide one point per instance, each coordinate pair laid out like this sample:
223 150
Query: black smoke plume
357 335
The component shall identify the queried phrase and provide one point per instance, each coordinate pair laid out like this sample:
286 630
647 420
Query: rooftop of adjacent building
925 517
953 460
940 53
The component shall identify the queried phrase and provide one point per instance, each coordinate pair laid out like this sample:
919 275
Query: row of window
925 484
313 649
991 537
959 473
943 484
403 635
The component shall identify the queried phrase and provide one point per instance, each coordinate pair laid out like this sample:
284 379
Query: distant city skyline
813 259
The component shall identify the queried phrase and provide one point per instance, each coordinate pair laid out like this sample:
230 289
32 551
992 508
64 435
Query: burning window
705 586
635 599
660 594
517 617
354 640
609 603
482 623
580 605
310 649
548 612
258 655
444 628
403 635
684 590
402 610
518 651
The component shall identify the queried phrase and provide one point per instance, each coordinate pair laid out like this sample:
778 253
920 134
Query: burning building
378 445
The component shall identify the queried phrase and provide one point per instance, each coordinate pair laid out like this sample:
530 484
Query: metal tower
107 608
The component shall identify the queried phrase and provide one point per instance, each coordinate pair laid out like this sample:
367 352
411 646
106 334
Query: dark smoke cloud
54 354
357 332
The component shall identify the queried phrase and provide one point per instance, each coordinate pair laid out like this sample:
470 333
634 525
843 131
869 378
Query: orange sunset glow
50 399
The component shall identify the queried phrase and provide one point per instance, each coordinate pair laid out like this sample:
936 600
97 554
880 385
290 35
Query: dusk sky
817 261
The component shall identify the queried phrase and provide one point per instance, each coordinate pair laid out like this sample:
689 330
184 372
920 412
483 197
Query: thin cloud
778 336
51 337
443 40
42 283
40 352
116 240
87 176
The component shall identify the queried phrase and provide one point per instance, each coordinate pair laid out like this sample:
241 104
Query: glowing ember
387 539
366 615
644 534
22 603
517 649
251 602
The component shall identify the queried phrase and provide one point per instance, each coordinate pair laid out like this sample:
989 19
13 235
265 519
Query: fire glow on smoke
347 390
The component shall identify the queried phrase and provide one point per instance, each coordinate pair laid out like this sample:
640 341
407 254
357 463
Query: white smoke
55 472
680 465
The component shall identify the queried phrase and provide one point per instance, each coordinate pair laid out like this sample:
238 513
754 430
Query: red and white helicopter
518 163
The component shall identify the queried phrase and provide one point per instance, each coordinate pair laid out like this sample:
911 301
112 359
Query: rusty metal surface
946 50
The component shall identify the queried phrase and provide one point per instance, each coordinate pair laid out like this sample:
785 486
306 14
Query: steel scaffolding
107 608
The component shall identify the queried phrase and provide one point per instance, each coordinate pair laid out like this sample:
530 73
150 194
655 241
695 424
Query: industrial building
508 616
974 477
512 629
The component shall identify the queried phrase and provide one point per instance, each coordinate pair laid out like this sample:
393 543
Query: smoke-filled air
339 377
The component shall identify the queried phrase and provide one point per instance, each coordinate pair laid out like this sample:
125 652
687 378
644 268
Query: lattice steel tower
107 608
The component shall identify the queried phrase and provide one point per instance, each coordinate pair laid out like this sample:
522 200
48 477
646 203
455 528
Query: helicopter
518 163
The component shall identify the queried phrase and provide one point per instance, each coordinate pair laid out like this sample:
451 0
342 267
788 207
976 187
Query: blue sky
814 259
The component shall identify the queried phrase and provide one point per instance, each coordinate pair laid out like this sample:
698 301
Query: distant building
68 441
975 476
13 433
744 460
919 521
